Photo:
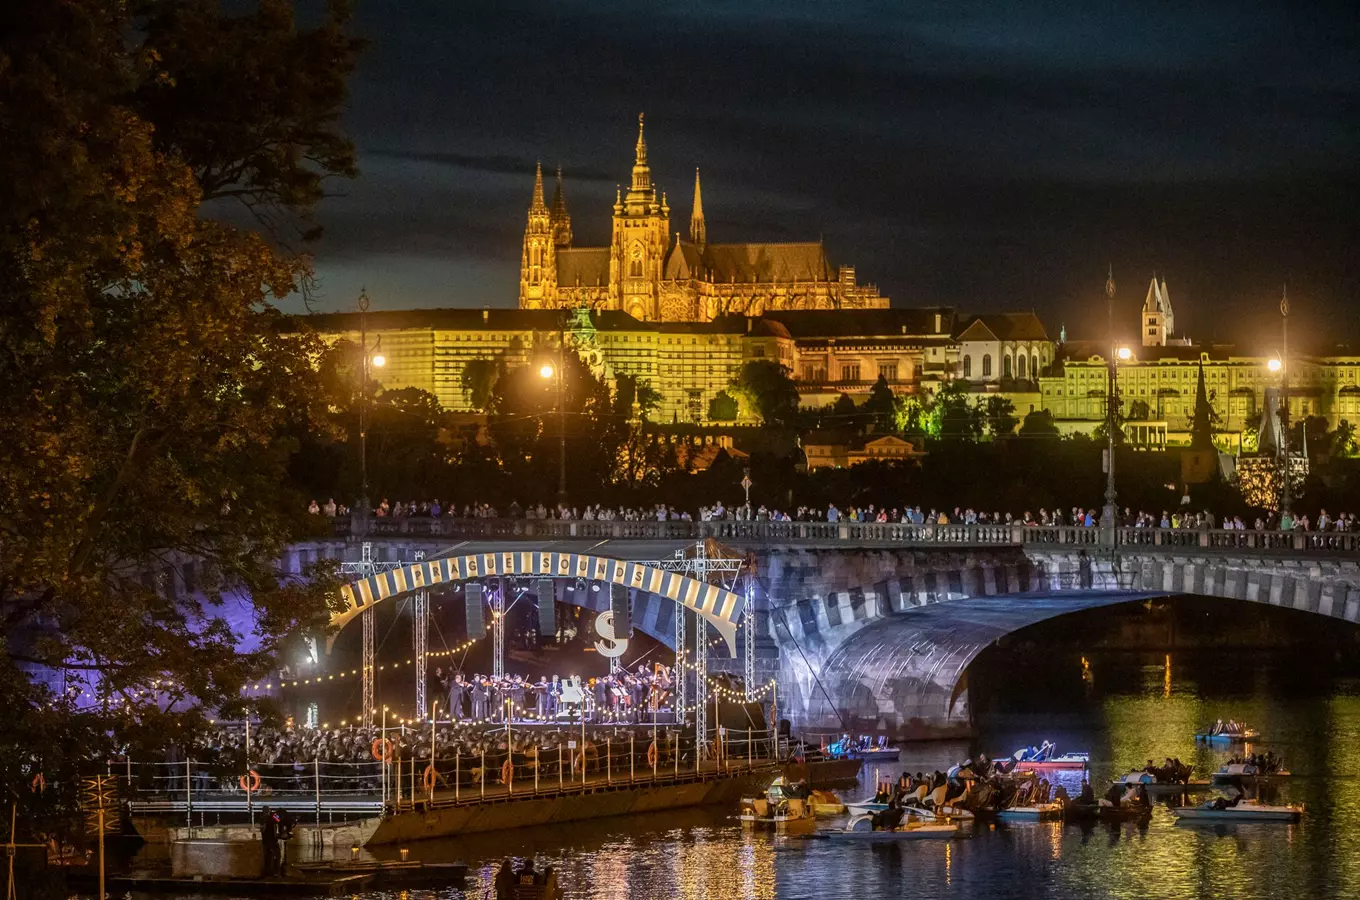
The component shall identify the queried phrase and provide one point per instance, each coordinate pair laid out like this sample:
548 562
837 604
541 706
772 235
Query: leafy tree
1039 424
723 407
250 102
998 414
630 390
958 419
478 380
881 407
153 395
768 391
914 416
1139 411
1202 424
844 410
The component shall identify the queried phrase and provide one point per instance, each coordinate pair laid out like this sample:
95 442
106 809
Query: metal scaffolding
369 645
498 628
748 635
420 624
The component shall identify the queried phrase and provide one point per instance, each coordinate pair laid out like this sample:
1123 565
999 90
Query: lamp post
377 360
1285 491
1112 398
547 370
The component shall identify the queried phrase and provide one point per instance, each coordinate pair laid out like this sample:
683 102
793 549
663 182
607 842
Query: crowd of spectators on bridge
1178 518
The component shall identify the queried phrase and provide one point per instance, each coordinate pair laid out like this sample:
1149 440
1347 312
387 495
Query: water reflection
1135 711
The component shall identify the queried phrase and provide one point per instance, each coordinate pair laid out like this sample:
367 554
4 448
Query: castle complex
655 275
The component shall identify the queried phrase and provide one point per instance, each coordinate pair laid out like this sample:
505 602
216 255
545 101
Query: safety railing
405 778
885 533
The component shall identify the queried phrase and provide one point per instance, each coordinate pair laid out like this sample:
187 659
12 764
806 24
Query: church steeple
537 205
698 232
641 190
561 220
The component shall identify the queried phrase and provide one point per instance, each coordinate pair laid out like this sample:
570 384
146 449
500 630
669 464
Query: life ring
652 754
429 778
507 771
39 783
253 784
382 749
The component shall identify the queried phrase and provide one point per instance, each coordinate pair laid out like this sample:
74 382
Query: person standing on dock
269 838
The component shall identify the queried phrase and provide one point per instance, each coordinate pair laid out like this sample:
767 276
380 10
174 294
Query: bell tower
640 240
538 265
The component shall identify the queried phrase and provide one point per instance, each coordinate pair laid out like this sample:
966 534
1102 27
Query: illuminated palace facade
654 275
830 352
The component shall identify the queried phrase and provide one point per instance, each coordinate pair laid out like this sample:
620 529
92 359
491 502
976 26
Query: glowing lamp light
547 371
379 360
1274 365
1124 354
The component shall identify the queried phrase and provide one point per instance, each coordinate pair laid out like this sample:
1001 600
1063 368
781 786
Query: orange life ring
253 784
382 749
507 771
39 783
652 754
429 778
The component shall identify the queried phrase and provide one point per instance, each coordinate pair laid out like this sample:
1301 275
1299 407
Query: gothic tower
1158 320
538 266
561 221
698 232
641 238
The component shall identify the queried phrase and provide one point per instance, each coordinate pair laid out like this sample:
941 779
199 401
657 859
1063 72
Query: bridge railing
887 533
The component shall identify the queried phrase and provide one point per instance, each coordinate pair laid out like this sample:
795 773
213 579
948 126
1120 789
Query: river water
1121 707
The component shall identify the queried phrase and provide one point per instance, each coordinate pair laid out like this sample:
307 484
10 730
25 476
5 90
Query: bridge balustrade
889 533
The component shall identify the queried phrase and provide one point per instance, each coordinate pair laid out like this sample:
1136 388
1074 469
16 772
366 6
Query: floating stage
446 816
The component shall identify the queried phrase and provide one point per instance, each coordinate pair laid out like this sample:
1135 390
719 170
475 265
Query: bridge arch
718 606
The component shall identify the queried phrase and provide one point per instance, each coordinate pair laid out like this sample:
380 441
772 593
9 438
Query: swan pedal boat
825 803
1039 812
1162 788
1057 763
862 829
1229 737
1246 811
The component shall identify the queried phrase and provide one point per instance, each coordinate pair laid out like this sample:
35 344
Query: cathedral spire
641 188
561 220
698 232
537 205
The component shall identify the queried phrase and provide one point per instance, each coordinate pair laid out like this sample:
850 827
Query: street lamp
372 357
1285 491
1111 401
548 370
1274 365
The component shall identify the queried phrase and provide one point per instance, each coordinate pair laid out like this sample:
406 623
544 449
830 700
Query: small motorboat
1036 812
862 829
1243 811
1157 788
1055 763
877 754
825 803
778 811
1247 770
1237 736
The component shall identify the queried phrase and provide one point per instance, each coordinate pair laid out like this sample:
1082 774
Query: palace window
888 370
850 372
1005 367
968 367
986 365
1020 363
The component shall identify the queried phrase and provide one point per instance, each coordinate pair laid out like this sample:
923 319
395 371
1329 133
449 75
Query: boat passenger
505 881
1088 795
1111 797
1218 727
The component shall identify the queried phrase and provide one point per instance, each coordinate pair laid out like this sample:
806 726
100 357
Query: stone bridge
872 626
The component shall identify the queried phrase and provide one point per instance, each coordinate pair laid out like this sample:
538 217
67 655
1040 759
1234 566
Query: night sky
992 158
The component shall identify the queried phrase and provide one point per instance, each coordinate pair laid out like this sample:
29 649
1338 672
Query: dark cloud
990 157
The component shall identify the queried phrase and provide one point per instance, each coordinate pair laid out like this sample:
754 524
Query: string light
302 682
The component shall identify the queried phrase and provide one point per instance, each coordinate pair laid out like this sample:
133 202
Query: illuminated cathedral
653 274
